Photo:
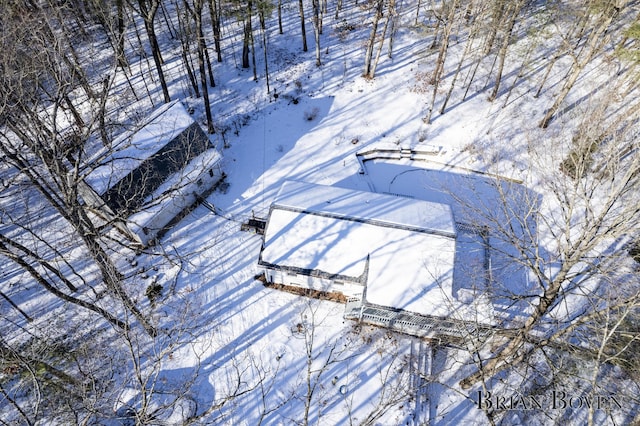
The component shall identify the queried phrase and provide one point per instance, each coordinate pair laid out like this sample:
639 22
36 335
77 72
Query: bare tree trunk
212 81
246 40
393 15
442 55
368 56
197 14
471 77
467 48
28 421
515 10
167 21
16 307
51 289
263 28
587 211
520 74
214 13
384 33
148 13
64 198
190 75
44 157
66 50
317 29
575 32
436 32
4 242
510 352
109 272
496 22
550 65
122 59
304 31
253 45
186 54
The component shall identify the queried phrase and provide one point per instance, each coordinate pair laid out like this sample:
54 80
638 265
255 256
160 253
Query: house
391 253
150 175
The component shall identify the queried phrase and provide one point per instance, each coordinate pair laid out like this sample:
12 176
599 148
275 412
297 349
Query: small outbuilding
392 253
151 174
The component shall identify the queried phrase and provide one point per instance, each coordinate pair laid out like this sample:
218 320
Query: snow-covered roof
410 243
129 150
174 195
382 209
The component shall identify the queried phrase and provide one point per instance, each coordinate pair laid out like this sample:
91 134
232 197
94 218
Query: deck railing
414 324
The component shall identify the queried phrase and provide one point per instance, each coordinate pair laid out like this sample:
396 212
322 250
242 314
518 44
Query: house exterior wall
296 279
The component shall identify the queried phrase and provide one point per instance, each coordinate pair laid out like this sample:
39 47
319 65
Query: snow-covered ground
248 355
265 333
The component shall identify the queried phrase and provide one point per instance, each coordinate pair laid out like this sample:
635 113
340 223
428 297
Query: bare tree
215 14
196 11
280 31
319 356
512 15
265 8
40 279
593 44
33 142
585 216
368 56
148 396
114 23
68 206
497 17
186 34
317 28
371 62
148 10
450 11
394 378
245 12
468 48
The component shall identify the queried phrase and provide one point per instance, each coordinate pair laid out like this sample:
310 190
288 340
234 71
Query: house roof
410 243
381 209
131 149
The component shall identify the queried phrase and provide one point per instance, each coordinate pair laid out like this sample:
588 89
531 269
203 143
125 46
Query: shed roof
131 149
173 196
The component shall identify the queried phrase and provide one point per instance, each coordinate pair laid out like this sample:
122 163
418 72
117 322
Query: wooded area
70 69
